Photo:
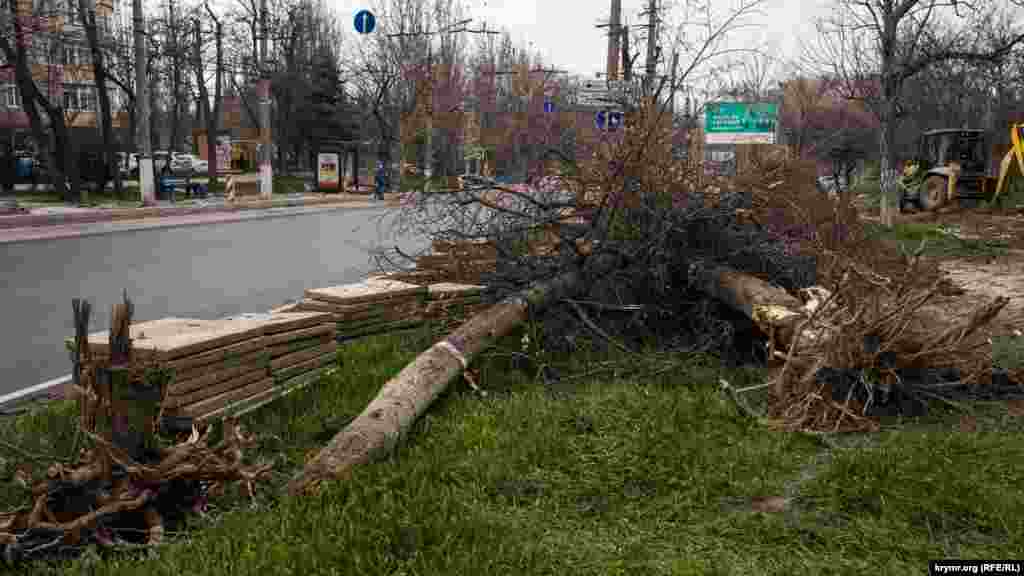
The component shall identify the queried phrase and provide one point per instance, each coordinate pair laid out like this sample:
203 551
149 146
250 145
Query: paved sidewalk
93 228
72 215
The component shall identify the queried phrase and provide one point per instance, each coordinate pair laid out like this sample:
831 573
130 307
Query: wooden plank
360 324
172 338
178 388
275 323
367 291
365 308
359 331
418 277
374 332
445 290
221 387
281 390
294 358
260 399
244 405
454 303
301 367
219 355
296 335
205 407
297 345
188 374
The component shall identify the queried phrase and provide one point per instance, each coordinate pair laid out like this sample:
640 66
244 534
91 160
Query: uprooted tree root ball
110 500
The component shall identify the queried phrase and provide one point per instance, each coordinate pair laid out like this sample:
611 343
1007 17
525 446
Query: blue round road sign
600 118
549 106
614 120
365 22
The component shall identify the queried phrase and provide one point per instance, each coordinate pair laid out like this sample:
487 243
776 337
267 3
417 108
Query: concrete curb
112 215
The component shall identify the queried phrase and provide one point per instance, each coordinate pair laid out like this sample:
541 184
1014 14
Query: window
79 98
9 96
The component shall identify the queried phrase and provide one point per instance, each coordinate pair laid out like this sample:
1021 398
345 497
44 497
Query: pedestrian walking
381 181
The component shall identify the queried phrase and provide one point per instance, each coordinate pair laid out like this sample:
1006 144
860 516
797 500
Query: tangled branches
111 500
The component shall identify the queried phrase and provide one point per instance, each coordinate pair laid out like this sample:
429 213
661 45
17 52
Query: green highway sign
740 122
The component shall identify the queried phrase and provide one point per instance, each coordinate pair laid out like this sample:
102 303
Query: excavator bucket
1016 152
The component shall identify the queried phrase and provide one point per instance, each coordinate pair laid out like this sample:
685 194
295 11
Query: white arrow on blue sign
549 106
365 22
614 120
599 119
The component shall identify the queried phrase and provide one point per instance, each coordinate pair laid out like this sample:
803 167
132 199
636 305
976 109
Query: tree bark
88 17
387 418
887 154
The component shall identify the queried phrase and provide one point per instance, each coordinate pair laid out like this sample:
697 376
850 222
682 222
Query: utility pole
263 92
615 28
627 64
212 144
142 106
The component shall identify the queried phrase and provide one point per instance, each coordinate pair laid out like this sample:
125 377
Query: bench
175 183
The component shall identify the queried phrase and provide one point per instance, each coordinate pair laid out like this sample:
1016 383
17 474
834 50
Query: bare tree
98 41
876 46
27 39
210 114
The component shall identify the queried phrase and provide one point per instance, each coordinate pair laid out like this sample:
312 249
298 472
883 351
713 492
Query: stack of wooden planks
450 304
221 366
373 306
296 343
464 262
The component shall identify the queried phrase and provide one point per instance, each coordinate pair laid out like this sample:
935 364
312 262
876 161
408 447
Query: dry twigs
107 493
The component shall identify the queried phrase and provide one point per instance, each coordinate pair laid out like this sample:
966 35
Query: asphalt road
202 271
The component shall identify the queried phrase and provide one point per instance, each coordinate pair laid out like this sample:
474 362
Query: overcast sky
564 31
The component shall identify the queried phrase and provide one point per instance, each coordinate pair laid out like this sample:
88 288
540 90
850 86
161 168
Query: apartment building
61 65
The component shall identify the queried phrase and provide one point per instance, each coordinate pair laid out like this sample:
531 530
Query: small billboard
740 122
327 171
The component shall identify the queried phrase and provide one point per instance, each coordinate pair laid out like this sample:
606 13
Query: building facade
61 64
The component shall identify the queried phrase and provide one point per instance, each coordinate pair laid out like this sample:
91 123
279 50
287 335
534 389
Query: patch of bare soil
1003 276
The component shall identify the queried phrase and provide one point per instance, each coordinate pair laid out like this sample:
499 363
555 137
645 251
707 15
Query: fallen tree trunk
401 400
775 311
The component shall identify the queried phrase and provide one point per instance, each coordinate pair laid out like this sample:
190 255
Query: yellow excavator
953 165
1016 152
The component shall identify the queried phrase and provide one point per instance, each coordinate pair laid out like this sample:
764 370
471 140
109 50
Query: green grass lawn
618 473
